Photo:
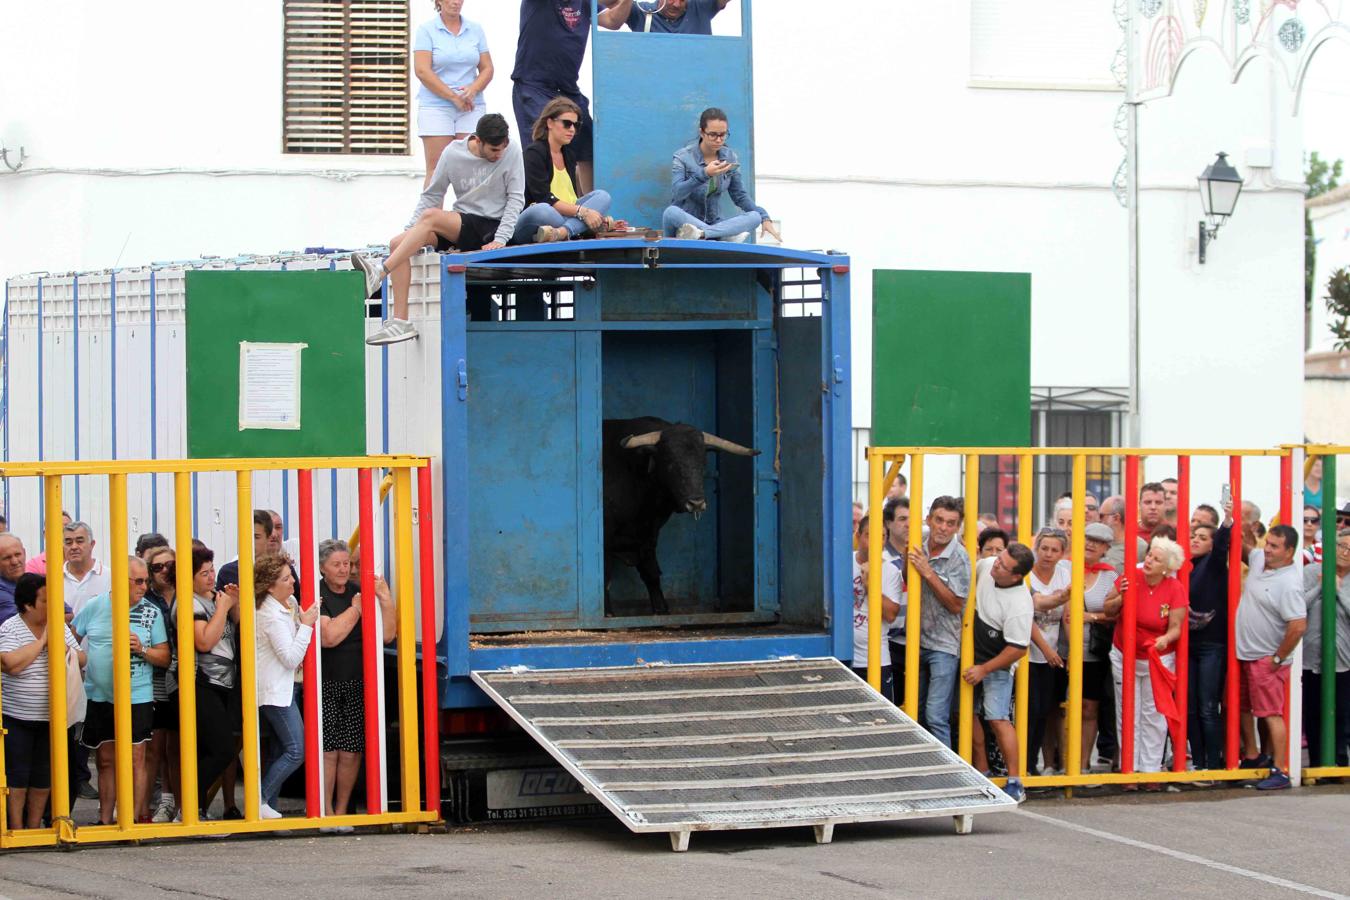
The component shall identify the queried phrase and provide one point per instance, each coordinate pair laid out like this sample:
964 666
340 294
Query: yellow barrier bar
121 629
891 473
386 485
1022 679
167 466
971 519
56 659
1074 755
248 659
913 589
187 648
407 640
107 834
1090 451
875 461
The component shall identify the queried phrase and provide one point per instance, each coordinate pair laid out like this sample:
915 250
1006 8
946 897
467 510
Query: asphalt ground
1231 843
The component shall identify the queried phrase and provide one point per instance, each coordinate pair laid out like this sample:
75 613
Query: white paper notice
269 386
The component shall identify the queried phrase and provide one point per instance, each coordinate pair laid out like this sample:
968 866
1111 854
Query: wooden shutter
345 80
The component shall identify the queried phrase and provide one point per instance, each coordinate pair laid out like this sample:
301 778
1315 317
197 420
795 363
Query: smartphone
1227 494
733 167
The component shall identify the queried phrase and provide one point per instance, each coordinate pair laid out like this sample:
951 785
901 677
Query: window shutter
345 79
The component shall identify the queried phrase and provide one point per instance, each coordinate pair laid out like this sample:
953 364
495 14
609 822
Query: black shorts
28 754
474 232
166 713
99 725
1095 674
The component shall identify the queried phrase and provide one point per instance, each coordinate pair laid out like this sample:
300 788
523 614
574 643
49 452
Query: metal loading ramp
684 748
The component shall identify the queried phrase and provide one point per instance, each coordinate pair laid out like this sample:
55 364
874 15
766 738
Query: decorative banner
1286 33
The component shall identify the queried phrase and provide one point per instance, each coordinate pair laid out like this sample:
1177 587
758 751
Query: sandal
547 234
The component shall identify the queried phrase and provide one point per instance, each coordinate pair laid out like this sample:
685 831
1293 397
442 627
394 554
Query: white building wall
945 136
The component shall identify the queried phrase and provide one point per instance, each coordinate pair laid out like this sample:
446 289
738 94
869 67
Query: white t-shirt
1048 621
890 587
1005 611
1271 598
896 630
24 695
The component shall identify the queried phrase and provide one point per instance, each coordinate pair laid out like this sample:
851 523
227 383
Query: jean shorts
997 689
444 121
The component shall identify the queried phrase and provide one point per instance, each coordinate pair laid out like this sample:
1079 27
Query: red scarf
1164 682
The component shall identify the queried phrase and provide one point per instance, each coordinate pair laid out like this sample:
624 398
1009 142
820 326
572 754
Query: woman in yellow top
553 209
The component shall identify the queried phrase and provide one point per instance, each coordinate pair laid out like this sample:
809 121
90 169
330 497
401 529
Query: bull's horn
716 443
634 441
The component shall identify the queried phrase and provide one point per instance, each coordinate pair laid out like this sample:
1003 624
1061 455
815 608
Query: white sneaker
737 238
689 232
337 829
267 812
392 332
374 273
164 812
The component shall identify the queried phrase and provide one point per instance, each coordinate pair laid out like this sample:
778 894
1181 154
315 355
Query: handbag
1099 640
76 701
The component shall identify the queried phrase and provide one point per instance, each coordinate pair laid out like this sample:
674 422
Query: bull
653 469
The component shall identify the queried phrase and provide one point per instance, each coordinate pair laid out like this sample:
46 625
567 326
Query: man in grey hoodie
488 176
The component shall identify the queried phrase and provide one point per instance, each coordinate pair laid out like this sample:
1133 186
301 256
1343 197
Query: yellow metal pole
247 642
965 741
891 472
187 648
1022 680
406 597
56 659
386 486
1074 756
875 462
913 589
121 624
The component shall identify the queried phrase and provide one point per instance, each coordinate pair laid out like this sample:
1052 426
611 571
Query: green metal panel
951 359
323 310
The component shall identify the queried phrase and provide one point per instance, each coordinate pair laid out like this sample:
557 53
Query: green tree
1321 176
1338 305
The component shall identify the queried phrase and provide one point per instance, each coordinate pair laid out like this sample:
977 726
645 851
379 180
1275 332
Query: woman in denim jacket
701 172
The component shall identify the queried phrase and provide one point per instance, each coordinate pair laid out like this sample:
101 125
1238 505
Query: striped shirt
24 695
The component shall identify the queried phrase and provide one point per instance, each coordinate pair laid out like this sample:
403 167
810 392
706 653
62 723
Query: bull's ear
638 441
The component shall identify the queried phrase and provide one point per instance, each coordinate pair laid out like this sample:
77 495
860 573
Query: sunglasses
569 124
160 567
140 581
1311 521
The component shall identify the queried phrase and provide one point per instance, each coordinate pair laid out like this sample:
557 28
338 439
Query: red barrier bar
1232 753
1183 657
309 595
371 648
431 709
1127 619
1286 495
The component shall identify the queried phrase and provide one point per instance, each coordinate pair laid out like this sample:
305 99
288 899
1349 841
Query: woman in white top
1049 585
281 644
24 699
451 60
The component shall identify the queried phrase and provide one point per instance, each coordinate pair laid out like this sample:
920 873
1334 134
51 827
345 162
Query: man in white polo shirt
85 576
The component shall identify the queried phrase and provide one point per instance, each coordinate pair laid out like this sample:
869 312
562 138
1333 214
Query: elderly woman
1098 581
451 60
24 698
555 208
703 171
1049 583
342 689
281 645
1160 614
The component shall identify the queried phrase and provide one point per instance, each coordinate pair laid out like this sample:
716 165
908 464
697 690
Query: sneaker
737 238
164 812
547 234
267 812
337 829
392 332
232 813
688 232
1257 762
1015 791
1275 781
374 273
87 791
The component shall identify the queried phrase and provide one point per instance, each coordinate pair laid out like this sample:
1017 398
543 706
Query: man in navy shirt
552 44
675 16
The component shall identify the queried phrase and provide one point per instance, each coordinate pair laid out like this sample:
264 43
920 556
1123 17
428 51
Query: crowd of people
505 195
284 633
1022 596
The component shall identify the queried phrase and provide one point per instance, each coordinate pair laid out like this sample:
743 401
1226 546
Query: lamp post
1220 185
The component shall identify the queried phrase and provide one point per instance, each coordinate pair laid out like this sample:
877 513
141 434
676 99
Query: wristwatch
1277 659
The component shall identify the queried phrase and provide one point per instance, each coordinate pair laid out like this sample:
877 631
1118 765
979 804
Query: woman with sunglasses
555 208
702 172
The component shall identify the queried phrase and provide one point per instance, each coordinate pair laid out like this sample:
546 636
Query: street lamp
1220 185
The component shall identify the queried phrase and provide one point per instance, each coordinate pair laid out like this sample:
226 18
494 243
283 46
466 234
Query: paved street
1232 843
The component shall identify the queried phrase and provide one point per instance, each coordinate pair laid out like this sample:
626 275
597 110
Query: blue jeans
1205 727
887 681
537 214
290 742
937 684
674 217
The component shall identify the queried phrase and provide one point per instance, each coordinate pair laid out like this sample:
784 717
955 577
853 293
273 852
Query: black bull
653 469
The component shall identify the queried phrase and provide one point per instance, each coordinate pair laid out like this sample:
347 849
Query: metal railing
885 462
418 766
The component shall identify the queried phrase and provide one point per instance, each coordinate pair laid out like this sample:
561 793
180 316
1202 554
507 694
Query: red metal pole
1232 754
431 709
1286 493
371 648
1127 621
1183 657
309 595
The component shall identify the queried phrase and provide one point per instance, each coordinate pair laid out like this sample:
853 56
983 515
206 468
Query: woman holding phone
702 172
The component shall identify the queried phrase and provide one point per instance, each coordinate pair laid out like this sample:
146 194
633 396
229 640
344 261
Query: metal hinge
838 374
651 257
462 380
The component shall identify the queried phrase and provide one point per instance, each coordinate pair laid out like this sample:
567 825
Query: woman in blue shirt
701 173
451 59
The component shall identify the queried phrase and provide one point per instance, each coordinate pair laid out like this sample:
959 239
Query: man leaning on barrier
944 567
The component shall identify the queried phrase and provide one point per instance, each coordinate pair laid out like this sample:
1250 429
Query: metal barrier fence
885 462
1328 751
418 767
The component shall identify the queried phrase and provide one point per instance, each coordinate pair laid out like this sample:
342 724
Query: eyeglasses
716 135
140 581
569 124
